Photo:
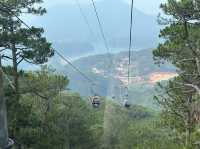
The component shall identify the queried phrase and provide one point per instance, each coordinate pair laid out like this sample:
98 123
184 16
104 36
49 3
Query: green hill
98 68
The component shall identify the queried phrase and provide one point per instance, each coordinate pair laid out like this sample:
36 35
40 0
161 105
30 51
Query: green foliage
19 43
145 134
26 44
142 64
181 48
47 117
54 118
134 128
142 94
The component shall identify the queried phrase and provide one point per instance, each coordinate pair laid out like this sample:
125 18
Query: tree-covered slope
98 68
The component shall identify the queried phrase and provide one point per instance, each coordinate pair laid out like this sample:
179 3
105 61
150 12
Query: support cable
9 11
103 34
84 17
130 41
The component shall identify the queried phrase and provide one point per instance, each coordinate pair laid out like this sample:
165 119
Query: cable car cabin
10 144
127 104
95 101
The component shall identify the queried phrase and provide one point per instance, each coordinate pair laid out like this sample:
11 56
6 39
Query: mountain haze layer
71 36
65 26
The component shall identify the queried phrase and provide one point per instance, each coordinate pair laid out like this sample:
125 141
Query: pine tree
21 44
181 47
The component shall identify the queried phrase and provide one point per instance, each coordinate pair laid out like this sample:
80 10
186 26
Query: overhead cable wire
90 28
93 83
74 67
58 53
9 11
130 41
110 66
13 87
101 28
84 17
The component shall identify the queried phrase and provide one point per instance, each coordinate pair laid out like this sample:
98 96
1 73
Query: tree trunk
14 60
189 123
3 114
15 71
186 29
198 65
16 85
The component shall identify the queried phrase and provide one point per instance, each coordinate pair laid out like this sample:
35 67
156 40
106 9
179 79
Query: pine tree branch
39 95
29 61
20 61
185 60
7 57
3 49
196 87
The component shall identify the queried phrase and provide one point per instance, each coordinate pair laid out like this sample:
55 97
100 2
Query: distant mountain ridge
145 74
65 26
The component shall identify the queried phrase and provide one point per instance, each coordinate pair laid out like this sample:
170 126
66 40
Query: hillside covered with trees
91 103
145 74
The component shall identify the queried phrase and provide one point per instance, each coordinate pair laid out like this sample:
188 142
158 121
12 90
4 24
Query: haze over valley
68 31
70 34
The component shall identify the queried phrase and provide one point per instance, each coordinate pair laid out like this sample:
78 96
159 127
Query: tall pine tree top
28 44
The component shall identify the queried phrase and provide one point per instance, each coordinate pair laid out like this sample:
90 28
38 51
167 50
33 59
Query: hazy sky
147 6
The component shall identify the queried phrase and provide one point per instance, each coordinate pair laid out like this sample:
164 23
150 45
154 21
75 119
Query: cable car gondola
96 102
126 104
10 144
113 97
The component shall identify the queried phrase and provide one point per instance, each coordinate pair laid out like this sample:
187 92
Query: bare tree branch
4 56
190 85
20 61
